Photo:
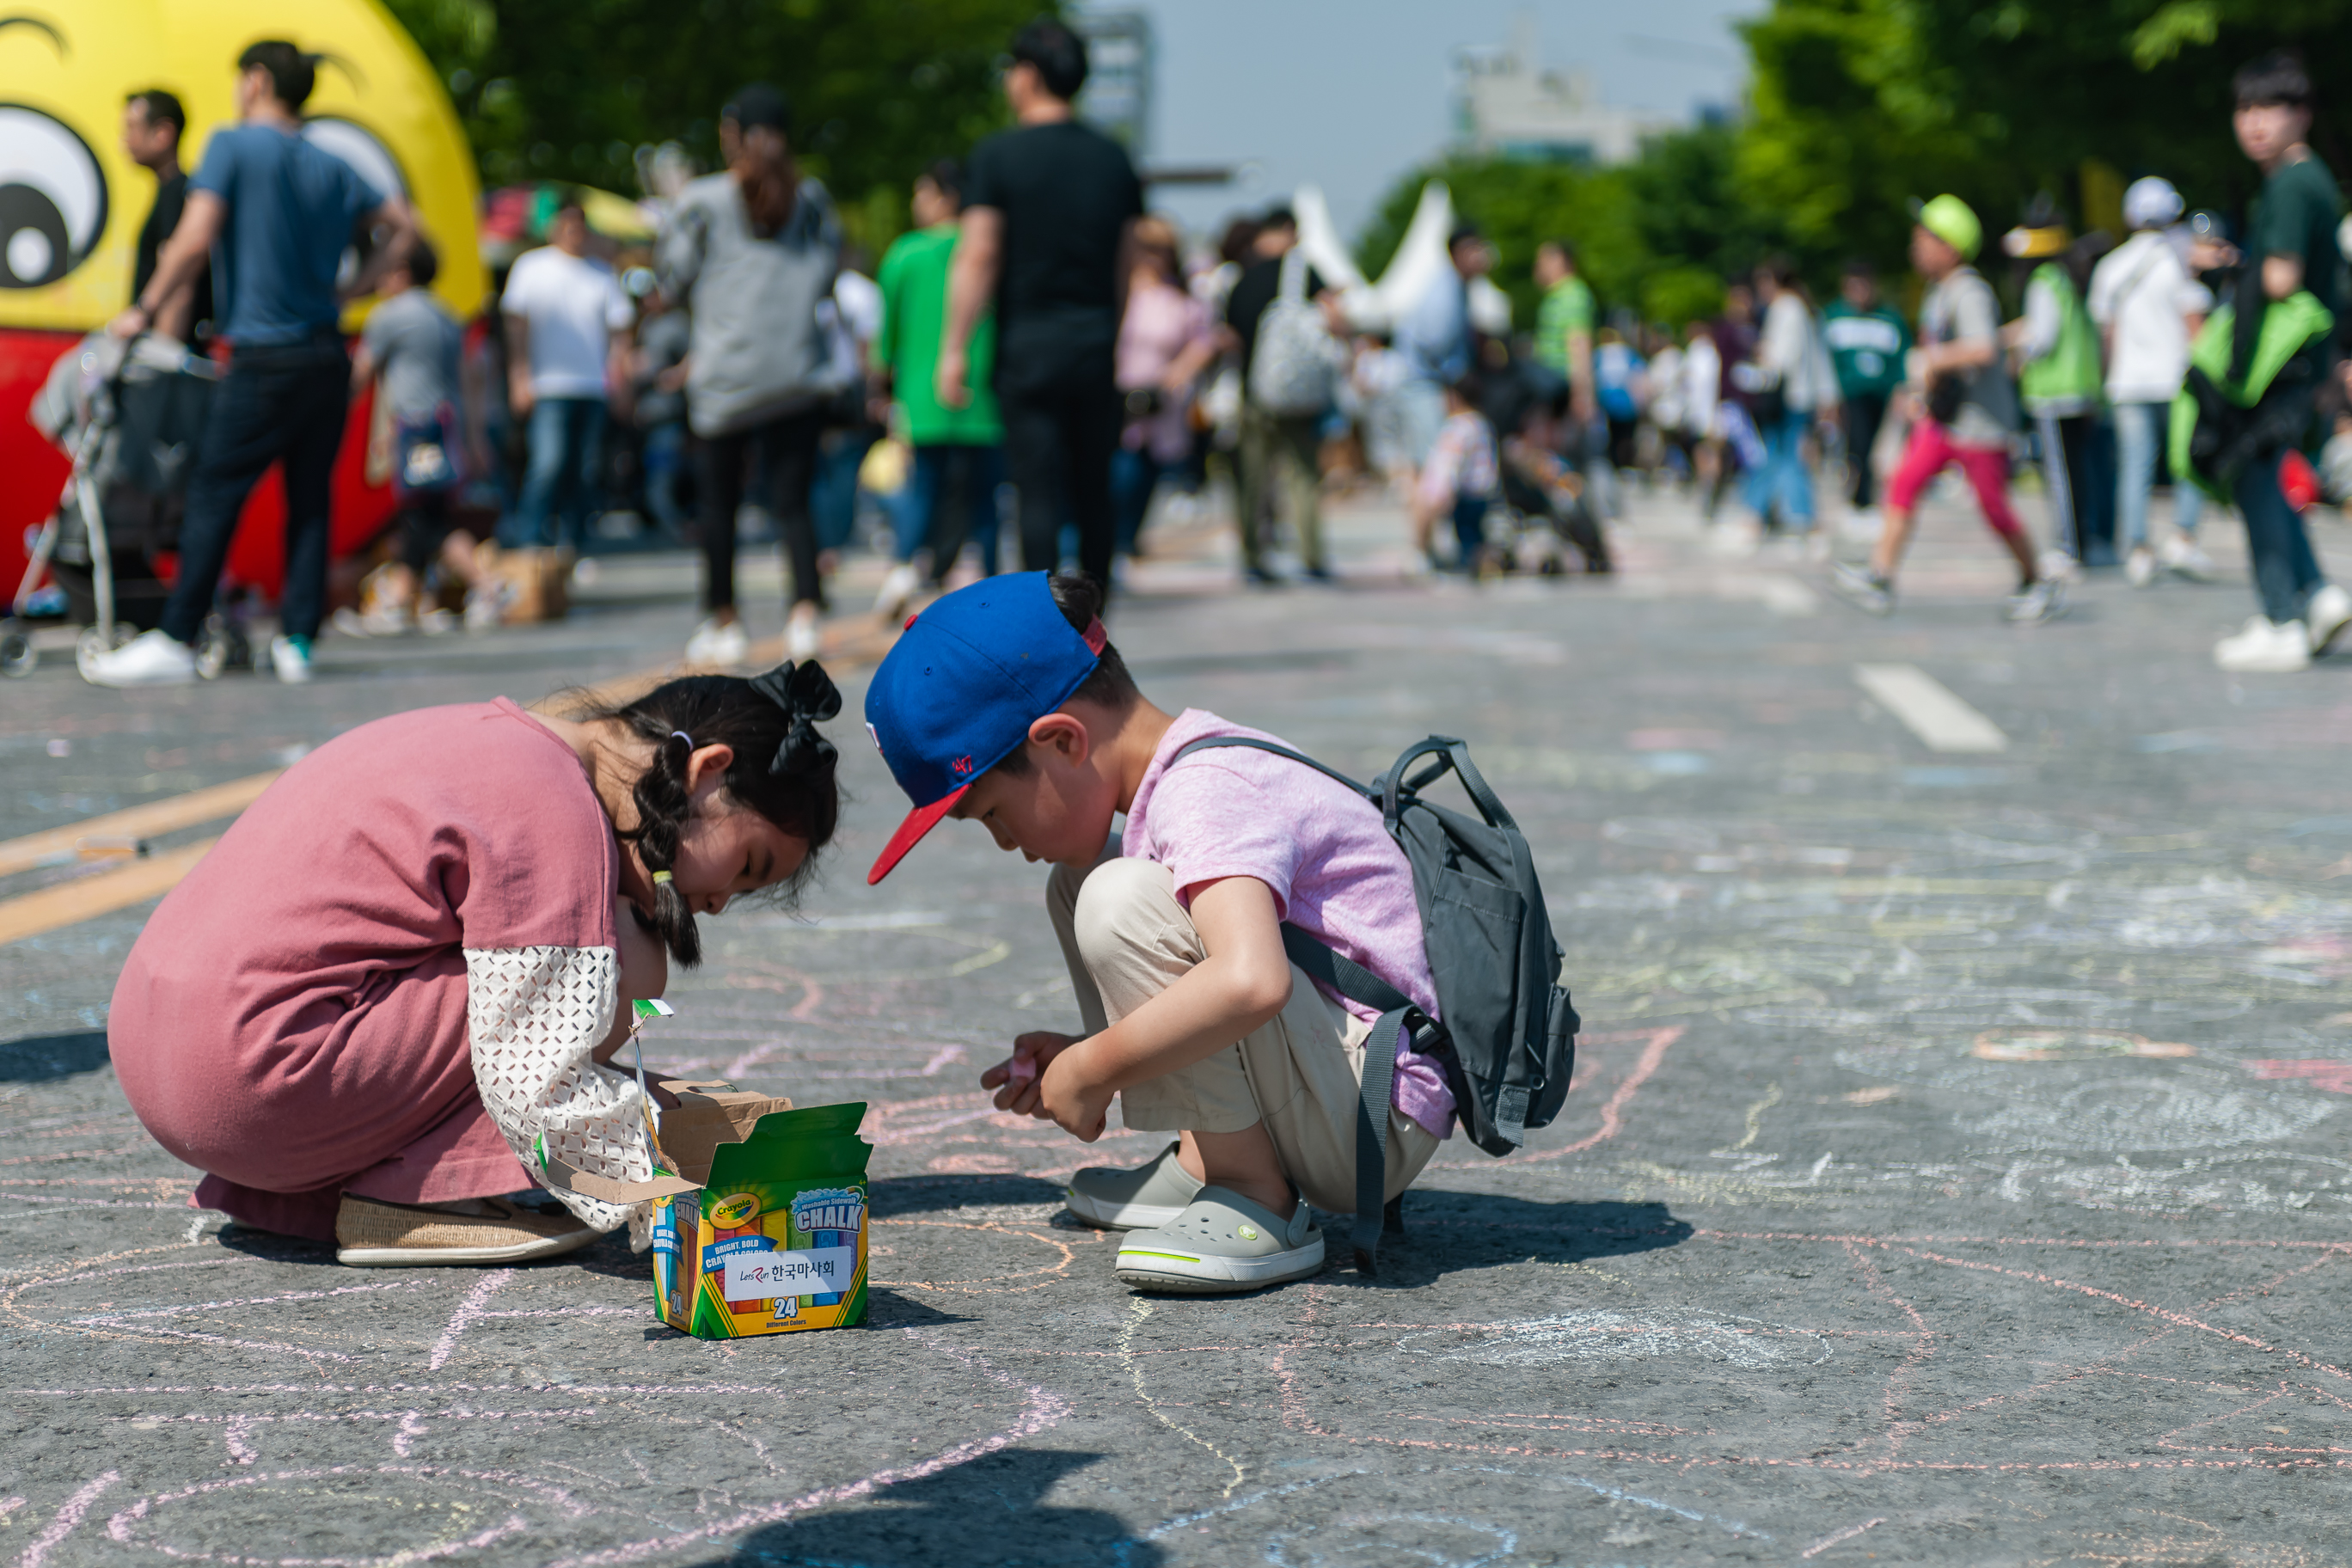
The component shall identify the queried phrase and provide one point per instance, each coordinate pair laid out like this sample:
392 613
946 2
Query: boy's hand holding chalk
1015 1078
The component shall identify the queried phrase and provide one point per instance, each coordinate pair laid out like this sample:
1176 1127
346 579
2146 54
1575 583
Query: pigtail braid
663 805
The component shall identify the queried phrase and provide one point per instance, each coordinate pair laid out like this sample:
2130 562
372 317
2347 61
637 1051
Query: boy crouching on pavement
1004 704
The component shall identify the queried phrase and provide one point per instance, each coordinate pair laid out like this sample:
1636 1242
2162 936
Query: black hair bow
808 696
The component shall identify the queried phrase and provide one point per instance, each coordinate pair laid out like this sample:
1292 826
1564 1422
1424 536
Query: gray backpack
1507 1036
1295 366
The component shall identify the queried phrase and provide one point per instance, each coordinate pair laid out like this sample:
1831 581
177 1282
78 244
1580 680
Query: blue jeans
2139 427
279 402
1134 474
664 456
833 497
1469 529
567 440
1784 485
2286 574
951 497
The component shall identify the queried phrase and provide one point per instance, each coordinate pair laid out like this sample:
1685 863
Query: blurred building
1117 98
1507 104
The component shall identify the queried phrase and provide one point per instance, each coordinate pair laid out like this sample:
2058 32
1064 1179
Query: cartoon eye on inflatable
52 198
369 159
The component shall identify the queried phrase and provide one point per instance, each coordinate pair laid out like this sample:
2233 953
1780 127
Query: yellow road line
157 816
87 897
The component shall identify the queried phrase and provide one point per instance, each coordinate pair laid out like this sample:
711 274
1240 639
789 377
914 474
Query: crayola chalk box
775 1239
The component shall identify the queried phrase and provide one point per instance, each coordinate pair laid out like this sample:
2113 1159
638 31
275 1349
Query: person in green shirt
1868 342
958 452
2290 249
1564 343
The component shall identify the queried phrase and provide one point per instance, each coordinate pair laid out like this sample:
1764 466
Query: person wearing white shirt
2147 307
567 326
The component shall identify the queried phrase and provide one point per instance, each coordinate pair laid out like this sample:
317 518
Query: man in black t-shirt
1048 207
153 124
1270 441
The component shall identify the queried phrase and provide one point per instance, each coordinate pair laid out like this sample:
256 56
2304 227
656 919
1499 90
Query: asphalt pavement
1952 1175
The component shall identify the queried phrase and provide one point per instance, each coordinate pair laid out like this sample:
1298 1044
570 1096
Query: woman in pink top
1165 341
386 996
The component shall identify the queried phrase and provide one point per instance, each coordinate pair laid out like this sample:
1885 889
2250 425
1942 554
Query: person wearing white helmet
2148 308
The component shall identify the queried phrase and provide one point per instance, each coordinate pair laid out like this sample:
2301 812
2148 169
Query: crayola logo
734 1212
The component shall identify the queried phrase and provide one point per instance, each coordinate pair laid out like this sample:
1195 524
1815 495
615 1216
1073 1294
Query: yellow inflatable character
72 202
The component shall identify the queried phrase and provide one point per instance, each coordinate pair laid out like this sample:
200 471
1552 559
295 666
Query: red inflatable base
33 472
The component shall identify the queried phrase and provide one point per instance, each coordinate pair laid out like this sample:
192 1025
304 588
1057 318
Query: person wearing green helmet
1963 414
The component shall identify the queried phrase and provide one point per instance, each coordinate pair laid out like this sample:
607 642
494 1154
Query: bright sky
1350 93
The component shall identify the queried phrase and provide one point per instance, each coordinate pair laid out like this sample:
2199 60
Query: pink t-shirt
1322 848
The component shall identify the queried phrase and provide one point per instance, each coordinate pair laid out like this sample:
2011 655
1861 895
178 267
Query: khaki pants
1291 443
1126 940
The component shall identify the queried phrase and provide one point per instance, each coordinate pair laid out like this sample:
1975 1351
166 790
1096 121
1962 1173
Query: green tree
570 88
1859 104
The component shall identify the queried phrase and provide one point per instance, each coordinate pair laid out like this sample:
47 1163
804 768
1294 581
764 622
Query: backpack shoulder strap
1217 742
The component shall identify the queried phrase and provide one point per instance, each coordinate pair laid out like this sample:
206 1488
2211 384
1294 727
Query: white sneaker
897 589
2058 566
803 638
2184 557
2265 648
722 645
150 659
2327 612
290 657
2139 567
2043 599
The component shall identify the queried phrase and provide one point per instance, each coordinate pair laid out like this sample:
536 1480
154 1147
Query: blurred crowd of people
1039 356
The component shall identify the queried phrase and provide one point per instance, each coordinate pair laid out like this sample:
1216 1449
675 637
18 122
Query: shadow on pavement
43 1058
991 1511
1446 1233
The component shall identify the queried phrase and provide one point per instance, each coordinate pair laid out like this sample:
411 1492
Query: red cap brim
919 821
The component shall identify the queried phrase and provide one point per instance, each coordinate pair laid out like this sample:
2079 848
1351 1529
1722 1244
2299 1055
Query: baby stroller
1542 496
129 415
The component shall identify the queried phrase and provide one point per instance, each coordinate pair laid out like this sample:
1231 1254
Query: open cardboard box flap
709 1112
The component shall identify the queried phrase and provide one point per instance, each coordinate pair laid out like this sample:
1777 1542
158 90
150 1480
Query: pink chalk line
1041 1409
68 1518
1848 1533
467 1310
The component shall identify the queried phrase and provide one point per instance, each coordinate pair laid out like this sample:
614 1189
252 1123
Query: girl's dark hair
783 769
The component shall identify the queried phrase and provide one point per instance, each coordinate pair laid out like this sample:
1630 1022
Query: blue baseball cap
960 690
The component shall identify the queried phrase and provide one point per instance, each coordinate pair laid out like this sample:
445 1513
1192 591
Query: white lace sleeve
534 1015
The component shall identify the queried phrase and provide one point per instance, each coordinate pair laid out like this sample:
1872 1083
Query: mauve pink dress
293 1019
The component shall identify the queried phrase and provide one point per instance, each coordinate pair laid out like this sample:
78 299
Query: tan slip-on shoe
1154 1194
372 1234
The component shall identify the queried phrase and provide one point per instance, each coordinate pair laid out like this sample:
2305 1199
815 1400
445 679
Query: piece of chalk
1024 1068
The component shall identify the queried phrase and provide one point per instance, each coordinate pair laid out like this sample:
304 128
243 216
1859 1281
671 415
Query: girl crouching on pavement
385 998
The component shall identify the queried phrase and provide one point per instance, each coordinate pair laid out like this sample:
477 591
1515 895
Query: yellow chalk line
1141 1309
87 897
157 816
1755 1117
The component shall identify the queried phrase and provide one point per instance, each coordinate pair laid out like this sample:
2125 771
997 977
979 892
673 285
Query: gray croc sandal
1222 1243
1154 1194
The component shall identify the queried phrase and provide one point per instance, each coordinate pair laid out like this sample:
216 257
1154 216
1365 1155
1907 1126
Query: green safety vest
2069 372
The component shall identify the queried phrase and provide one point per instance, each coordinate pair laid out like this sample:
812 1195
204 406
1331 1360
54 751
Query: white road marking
1930 709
